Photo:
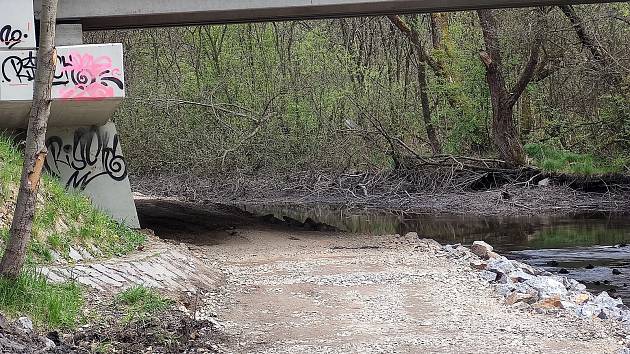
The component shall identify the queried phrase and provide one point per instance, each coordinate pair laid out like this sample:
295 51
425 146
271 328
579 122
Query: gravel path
290 292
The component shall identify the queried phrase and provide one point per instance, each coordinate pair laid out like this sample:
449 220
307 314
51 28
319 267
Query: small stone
24 324
515 297
544 182
581 298
616 271
549 303
85 254
563 271
49 344
500 266
481 249
590 266
478 264
576 286
488 276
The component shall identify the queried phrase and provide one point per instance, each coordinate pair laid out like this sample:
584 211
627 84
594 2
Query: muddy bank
168 332
409 193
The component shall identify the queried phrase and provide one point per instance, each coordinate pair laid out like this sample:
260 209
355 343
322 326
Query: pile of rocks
525 286
20 337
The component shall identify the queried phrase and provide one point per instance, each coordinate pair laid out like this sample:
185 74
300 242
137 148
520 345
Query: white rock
488 276
49 344
500 266
481 249
519 276
547 286
24 324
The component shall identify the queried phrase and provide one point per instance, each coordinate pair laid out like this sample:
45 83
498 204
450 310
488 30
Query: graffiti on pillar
77 76
89 72
16 24
91 77
10 37
92 154
19 70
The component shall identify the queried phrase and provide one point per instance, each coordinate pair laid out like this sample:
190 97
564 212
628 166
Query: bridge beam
120 14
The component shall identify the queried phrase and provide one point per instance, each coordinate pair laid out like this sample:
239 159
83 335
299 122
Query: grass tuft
50 305
555 160
141 302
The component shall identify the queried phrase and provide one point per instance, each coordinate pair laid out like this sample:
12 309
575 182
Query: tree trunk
439 31
35 150
413 36
504 130
602 61
434 141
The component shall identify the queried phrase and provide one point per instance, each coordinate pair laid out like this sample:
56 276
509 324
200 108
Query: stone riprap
161 265
526 287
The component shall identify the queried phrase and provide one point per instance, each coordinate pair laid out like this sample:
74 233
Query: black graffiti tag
90 156
21 70
11 37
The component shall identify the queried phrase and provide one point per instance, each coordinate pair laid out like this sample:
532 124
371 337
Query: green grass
49 305
555 160
140 302
64 218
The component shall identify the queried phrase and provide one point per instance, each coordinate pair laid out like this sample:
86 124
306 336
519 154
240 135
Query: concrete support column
90 160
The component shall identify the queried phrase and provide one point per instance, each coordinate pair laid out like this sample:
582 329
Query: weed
52 305
141 302
555 160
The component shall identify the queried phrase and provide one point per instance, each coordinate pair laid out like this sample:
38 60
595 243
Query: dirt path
289 292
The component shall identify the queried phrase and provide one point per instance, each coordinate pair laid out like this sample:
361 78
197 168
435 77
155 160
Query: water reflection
504 233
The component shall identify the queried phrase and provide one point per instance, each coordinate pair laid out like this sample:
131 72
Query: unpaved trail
295 291
309 292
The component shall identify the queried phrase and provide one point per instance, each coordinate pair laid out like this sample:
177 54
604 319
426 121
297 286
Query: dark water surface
589 247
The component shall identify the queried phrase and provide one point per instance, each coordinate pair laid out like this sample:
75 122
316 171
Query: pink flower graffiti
88 77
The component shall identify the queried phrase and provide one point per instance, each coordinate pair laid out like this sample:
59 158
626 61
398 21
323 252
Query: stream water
586 247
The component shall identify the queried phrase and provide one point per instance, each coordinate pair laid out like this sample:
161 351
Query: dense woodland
538 85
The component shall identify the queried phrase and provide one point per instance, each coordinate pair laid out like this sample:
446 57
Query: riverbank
306 292
279 288
412 193
290 290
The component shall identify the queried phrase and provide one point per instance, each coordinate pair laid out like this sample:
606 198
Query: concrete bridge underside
119 14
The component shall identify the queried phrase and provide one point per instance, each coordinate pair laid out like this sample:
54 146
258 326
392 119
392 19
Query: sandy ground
307 292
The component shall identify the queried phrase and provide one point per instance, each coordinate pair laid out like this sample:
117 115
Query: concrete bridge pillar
84 149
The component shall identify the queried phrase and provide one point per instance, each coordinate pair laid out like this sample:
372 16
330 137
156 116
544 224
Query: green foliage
140 302
50 305
555 160
274 98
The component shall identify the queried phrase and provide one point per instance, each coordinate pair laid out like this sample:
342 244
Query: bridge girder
122 14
